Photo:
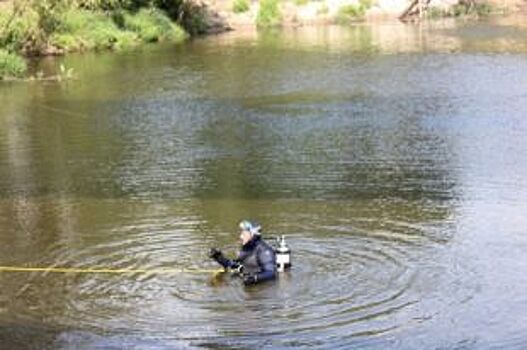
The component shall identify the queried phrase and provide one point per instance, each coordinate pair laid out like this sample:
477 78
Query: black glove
249 279
215 254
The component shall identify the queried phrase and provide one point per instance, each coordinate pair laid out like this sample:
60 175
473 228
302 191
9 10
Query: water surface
392 156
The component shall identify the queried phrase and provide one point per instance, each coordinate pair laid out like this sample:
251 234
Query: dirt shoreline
326 12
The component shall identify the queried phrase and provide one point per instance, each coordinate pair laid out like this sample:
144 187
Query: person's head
248 229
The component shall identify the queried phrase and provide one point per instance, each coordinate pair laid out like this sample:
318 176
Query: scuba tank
283 255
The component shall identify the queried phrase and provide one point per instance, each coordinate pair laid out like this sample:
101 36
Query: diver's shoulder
265 246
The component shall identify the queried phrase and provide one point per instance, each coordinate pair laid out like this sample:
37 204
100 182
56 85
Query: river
392 156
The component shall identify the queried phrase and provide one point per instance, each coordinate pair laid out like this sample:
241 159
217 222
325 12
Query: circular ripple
350 279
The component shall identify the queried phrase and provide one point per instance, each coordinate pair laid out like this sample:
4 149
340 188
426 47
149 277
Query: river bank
56 27
241 14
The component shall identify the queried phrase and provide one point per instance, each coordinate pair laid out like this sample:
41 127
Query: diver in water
256 261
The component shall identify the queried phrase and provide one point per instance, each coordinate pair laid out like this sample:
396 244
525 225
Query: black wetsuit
256 257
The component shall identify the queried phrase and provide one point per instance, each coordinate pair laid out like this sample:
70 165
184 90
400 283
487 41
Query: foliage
83 30
365 4
323 9
240 6
435 12
348 13
102 4
11 65
19 29
301 2
44 26
36 26
193 18
109 5
484 9
462 9
152 25
268 14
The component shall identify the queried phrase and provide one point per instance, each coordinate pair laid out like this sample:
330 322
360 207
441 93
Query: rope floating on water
103 271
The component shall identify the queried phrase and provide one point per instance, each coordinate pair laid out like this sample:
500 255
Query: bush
190 16
462 9
483 9
109 5
365 4
268 14
66 41
19 31
152 25
435 12
353 12
323 10
348 13
74 25
84 30
301 2
11 65
239 6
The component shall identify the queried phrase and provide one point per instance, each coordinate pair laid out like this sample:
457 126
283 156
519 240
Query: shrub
239 6
353 12
82 30
192 17
462 9
107 5
19 31
268 14
66 41
323 9
483 9
435 12
72 25
348 13
11 65
365 4
301 2
152 25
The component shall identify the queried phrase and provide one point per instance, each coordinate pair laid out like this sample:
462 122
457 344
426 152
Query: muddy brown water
392 156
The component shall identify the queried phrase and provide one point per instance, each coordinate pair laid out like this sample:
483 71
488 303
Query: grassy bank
11 65
469 8
350 13
43 27
269 14
87 30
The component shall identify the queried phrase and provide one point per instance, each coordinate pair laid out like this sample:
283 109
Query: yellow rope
109 271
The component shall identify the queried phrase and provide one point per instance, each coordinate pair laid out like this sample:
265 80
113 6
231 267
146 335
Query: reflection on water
391 156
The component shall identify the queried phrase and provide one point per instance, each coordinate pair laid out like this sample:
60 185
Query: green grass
240 6
301 2
86 30
153 25
81 30
19 32
269 14
11 65
479 9
366 4
70 28
42 26
349 13
323 10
